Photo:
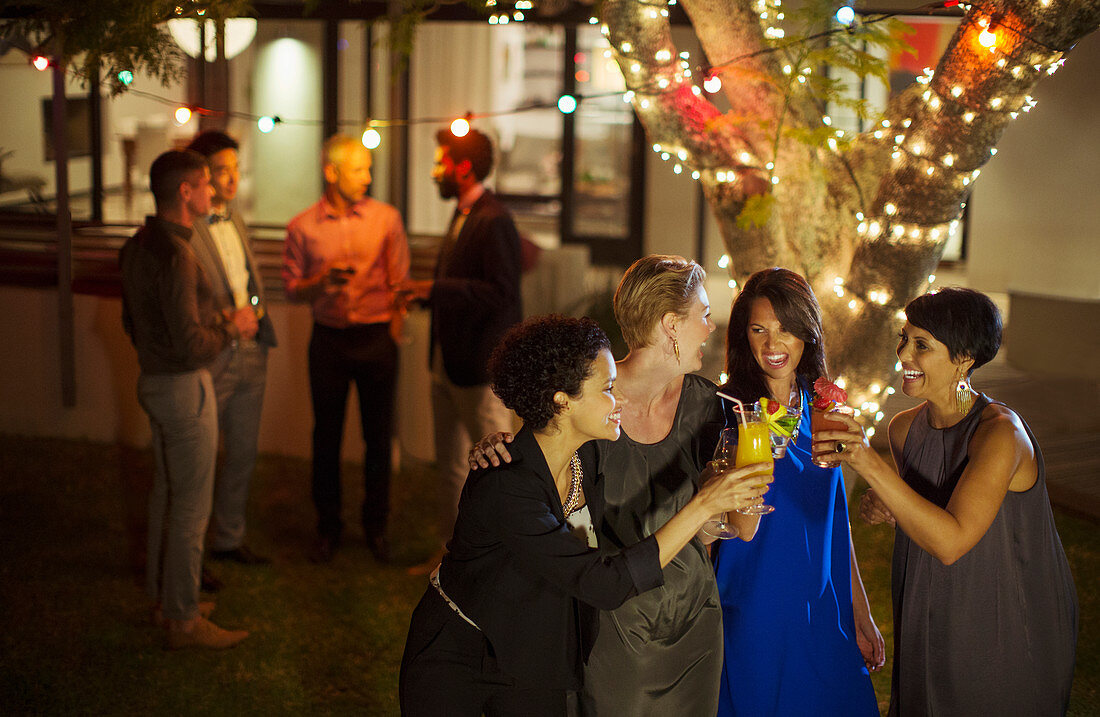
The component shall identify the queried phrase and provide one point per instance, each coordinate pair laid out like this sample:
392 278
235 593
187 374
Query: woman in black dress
985 610
504 627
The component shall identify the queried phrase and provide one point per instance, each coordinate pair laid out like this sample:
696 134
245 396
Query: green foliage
810 63
116 35
756 212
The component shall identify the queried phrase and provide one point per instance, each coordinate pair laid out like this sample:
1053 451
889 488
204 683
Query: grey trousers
239 375
461 415
182 413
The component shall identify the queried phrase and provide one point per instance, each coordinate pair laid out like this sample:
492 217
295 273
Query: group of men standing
194 306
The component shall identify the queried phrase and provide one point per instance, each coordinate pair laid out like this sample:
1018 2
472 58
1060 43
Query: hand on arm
995 454
873 511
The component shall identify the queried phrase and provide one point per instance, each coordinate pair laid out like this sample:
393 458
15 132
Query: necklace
573 499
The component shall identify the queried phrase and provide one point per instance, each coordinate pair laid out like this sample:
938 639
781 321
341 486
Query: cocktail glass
821 421
788 422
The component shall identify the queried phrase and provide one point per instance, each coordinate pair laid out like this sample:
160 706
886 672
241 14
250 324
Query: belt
434 580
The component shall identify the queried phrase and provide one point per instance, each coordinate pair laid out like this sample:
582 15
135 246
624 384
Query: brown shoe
201 633
206 609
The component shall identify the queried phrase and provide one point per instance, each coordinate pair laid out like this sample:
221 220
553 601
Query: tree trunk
865 223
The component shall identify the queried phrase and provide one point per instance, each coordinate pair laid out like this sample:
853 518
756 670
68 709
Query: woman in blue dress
799 636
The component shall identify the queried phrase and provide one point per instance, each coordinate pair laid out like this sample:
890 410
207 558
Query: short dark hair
967 322
211 142
169 171
541 356
797 309
473 146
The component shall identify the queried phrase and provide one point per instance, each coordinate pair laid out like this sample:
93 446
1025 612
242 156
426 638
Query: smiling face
692 331
927 368
596 413
776 350
225 176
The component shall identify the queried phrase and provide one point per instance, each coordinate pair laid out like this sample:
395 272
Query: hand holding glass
820 421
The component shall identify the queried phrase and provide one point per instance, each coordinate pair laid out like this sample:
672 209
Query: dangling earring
676 350
964 396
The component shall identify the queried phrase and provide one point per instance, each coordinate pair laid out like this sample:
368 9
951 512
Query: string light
371 138
40 62
183 115
460 127
266 124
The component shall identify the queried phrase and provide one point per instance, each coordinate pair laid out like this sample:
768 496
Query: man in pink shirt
344 255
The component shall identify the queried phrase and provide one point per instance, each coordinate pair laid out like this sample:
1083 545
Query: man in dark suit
220 241
474 298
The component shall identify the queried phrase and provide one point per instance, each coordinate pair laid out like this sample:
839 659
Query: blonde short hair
652 287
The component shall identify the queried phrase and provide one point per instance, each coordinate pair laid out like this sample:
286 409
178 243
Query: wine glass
724 456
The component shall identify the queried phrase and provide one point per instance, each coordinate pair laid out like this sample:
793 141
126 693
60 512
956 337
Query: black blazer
476 294
211 261
529 584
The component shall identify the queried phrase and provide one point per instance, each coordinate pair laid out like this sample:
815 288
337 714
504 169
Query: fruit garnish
827 394
773 411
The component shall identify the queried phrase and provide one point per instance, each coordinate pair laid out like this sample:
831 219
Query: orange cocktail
754 445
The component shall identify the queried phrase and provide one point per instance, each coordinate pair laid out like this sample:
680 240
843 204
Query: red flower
827 393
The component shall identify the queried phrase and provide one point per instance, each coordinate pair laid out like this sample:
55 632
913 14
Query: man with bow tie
240 372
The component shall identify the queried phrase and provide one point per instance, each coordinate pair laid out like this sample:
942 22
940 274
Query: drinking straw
740 407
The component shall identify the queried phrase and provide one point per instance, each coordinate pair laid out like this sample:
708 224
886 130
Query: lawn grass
75 636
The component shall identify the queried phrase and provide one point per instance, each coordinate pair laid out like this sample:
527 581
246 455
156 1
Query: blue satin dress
790 645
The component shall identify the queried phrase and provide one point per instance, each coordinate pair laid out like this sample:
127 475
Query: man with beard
345 255
474 298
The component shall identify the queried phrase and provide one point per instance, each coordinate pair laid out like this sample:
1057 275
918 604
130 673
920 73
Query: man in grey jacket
220 241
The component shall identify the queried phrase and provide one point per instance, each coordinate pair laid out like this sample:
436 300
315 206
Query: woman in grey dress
661 652
985 610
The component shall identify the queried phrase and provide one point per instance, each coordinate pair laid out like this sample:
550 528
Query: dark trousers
448 670
366 355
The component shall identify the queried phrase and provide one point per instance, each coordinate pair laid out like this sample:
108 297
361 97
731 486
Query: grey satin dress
994 633
661 652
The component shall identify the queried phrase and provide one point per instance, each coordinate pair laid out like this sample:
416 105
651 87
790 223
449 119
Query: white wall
1035 209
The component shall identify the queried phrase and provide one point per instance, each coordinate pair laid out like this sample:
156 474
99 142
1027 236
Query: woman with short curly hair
661 652
509 616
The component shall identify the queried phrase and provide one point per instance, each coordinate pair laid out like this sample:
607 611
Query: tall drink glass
820 421
754 445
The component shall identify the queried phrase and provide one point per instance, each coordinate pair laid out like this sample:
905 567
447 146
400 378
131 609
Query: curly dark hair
538 358
797 309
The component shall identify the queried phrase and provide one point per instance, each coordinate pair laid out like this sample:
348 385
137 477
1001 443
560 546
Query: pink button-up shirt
370 238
